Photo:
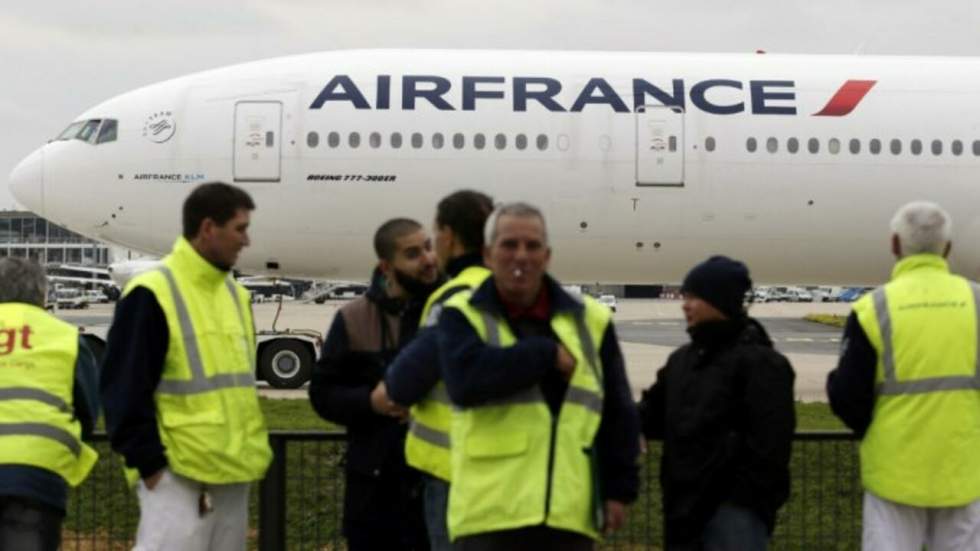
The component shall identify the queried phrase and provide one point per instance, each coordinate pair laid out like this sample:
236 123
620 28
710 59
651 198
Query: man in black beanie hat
723 405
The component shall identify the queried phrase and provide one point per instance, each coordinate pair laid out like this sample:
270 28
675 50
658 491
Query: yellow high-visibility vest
513 465
923 444
208 411
427 444
37 375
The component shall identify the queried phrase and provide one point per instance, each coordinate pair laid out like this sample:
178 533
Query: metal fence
298 505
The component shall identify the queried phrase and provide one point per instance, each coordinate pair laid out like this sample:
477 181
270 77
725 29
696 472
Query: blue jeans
734 528
436 498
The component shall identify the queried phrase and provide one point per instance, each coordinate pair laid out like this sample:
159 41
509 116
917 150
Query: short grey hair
521 210
22 280
922 227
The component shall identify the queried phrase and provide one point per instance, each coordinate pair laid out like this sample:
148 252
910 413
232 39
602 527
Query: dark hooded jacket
366 334
723 406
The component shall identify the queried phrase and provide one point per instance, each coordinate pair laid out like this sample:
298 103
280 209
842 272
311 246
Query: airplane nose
27 182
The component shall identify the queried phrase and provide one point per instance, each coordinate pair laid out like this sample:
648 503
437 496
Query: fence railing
298 505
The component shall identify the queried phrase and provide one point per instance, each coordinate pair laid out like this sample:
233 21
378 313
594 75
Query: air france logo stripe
846 99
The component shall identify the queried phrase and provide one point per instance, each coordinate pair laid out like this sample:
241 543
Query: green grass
816 416
834 320
292 415
823 512
299 415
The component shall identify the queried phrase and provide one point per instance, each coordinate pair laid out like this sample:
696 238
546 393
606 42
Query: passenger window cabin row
438 140
835 146
500 141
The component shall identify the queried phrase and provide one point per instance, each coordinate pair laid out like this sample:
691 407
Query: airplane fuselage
644 164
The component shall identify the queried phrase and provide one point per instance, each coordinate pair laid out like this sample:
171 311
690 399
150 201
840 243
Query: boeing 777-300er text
643 163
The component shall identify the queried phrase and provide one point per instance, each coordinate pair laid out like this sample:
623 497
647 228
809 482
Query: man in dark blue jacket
476 373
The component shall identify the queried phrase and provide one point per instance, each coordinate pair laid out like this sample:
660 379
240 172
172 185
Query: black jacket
475 373
723 406
131 371
364 337
851 387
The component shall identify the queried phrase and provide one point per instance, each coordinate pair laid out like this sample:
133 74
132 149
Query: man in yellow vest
178 383
546 437
414 378
48 404
908 382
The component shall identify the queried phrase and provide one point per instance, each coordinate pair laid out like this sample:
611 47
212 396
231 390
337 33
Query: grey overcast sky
63 56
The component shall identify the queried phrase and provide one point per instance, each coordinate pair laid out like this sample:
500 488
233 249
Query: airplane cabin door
258 141
659 146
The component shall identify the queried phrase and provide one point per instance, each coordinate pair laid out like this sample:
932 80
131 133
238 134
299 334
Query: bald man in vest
908 383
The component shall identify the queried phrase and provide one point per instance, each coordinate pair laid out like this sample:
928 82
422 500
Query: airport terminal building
24 234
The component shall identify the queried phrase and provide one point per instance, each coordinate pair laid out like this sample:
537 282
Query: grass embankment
823 512
834 320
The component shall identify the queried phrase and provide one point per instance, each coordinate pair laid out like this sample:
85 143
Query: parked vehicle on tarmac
70 298
760 294
852 293
797 294
608 300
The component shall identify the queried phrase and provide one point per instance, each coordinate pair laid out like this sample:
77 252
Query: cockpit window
88 131
71 131
108 131
92 131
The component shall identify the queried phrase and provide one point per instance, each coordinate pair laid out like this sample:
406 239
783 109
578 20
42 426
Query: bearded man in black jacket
723 406
382 498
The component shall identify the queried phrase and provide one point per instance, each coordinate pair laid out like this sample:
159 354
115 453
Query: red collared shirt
539 311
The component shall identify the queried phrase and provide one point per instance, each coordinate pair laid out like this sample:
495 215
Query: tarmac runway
648 331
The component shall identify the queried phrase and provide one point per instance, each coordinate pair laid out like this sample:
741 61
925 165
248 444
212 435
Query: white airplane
644 164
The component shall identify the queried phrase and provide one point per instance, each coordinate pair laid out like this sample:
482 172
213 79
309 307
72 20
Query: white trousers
890 526
170 519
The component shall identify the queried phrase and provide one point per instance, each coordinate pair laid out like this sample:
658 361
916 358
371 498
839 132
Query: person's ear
385 266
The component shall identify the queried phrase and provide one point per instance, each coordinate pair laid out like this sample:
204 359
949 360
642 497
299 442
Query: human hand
564 362
383 405
615 516
151 481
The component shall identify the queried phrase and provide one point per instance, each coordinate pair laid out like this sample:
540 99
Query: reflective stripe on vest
35 394
199 382
891 386
61 436
432 435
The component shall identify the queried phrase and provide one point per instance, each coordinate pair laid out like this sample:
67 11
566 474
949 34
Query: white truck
285 357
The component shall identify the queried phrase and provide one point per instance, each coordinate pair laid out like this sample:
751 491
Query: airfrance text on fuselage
765 97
